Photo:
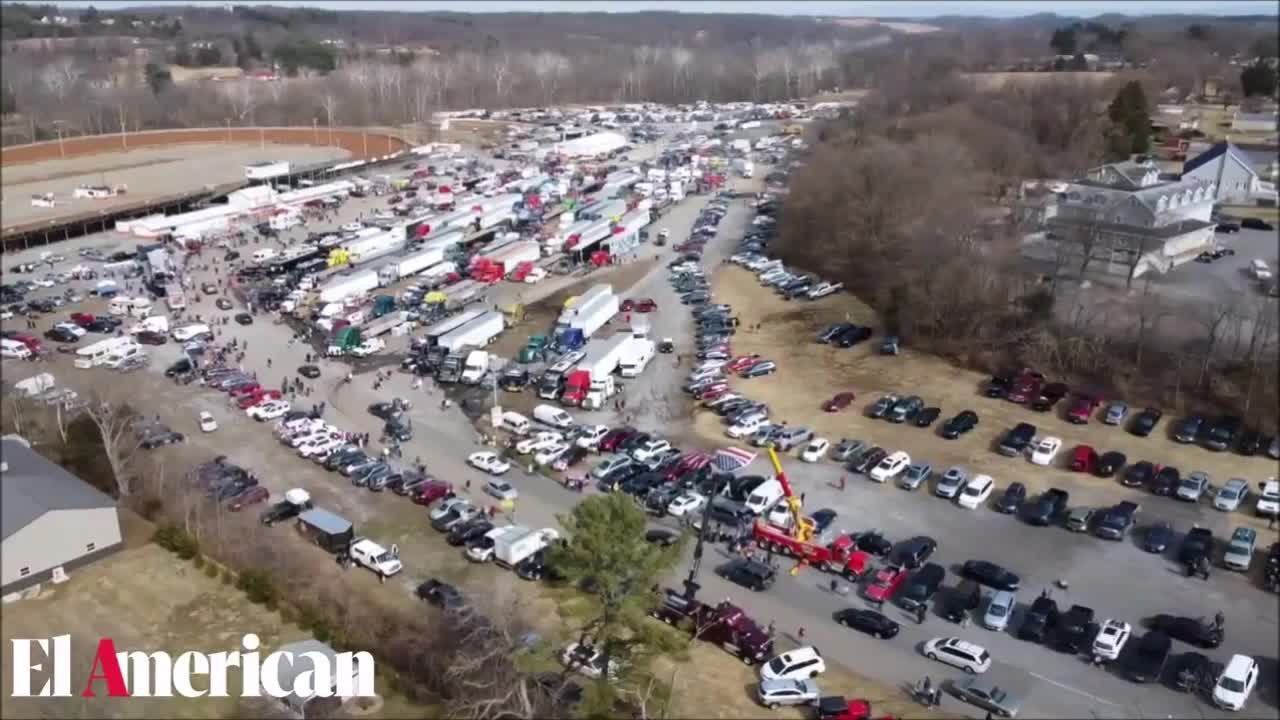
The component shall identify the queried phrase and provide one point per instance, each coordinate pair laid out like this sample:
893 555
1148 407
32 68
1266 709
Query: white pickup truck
367 553
368 347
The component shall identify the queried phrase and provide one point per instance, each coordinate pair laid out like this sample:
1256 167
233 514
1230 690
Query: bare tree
114 423
500 68
330 103
547 68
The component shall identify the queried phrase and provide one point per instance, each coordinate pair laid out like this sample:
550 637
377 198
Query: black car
1017 439
61 334
961 600
244 318
100 326
161 436
1157 538
960 424
148 337
1049 396
750 574
1198 543
1109 463
822 520
1189 429
832 332
1201 633
1193 672
514 379
926 417
464 533
1166 481
309 371
990 574
912 553
441 594
867 621
1254 223
1144 658
1074 629
384 410
536 567
999 383
869 459
1145 421
1223 434
1039 620
662 537
1010 501
873 542
1138 474
852 336
1048 507
181 367
1250 442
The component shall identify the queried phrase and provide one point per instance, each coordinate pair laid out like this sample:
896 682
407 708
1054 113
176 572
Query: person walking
800 634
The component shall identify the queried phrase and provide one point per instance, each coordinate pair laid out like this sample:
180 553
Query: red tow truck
841 556
724 624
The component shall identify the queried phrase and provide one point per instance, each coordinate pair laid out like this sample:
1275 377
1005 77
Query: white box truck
448 325
477 333
509 550
584 300
636 354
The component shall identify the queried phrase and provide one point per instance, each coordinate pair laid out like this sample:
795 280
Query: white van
153 323
765 496
514 422
1259 270
553 416
264 254
14 350
97 353
186 332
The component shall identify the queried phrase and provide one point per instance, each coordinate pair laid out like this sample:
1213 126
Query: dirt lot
361 144
786 333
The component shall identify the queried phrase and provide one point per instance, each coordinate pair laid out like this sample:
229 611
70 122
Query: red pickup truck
885 584
1083 407
1025 387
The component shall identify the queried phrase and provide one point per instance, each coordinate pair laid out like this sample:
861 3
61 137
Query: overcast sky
905 8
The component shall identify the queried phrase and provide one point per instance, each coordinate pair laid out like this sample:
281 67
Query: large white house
1131 219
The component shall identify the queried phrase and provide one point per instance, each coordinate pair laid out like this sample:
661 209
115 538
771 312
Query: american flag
732 459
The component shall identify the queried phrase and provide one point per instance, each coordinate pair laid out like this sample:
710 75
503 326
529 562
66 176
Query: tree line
909 201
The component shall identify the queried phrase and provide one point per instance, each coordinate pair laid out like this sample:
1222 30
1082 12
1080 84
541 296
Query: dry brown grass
182 74
998 80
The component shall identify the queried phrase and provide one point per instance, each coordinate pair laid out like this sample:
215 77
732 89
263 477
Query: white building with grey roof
50 518
1127 216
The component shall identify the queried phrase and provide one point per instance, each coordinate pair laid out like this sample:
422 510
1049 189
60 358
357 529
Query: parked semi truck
636 354
433 334
594 374
349 285
477 333
591 319
409 265
551 386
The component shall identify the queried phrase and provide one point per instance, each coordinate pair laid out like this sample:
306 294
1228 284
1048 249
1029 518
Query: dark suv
1223 433
1017 439
912 553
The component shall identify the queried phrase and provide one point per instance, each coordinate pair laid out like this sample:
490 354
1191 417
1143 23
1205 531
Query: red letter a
106 660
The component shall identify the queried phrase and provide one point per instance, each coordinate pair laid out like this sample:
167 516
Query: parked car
1010 501
1236 683
1145 422
1239 551
952 480
1231 495
1117 411
986 695
915 476
867 621
797 664
999 610
1109 463
1157 537
962 423
1192 487
969 657
774 694
751 574
990 574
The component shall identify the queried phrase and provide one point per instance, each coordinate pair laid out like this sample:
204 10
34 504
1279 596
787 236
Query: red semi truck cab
576 387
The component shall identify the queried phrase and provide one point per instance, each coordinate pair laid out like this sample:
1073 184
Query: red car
431 491
1026 387
740 363
251 389
687 463
646 305
1084 459
627 305
836 707
82 319
256 398
251 496
1083 407
885 583
614 438
839 402
716 389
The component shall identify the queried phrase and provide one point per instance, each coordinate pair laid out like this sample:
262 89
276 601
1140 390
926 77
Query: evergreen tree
606 555
1130 122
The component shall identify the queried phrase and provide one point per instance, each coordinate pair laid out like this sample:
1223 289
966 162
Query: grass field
997 80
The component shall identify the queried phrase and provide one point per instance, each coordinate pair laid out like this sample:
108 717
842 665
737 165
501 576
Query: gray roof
325 521
288 672
32 485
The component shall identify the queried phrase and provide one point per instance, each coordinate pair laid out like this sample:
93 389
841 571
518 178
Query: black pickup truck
1144 662
1116 521
1040 620
1017 439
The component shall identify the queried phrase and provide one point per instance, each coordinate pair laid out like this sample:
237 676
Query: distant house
1134 219
51 520
1254 122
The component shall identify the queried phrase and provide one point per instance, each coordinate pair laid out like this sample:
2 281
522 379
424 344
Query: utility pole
691 585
